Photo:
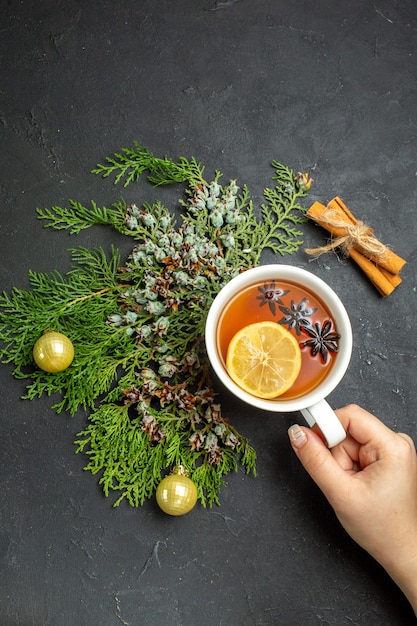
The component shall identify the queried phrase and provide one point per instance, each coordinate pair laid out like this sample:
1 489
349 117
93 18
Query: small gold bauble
176 494
53 352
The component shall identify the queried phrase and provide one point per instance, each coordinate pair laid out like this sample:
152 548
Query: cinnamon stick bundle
356 240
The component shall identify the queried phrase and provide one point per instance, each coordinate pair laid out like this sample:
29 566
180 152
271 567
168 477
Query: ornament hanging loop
180 470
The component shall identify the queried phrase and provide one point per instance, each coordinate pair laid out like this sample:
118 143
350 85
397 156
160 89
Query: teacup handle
323 415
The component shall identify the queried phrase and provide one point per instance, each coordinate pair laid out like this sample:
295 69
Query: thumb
317 460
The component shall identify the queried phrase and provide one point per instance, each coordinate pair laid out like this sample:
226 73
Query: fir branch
78 217
130 164
76 305
140 366
119 450
282 214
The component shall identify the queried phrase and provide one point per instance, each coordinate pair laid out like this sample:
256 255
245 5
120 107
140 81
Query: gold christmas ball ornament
53 352
176 494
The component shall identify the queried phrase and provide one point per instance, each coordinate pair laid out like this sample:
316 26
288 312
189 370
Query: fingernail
297 436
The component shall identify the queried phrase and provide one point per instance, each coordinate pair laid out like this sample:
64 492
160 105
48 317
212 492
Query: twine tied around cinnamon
357 240
357 235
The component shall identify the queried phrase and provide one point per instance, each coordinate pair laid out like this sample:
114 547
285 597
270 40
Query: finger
318 461
362 425
347 454
409 441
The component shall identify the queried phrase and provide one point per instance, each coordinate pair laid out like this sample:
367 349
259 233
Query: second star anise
323 339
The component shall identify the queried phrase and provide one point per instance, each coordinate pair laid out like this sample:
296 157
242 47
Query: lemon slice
264 359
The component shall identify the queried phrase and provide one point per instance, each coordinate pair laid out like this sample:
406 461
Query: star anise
295 315
270 295
323 339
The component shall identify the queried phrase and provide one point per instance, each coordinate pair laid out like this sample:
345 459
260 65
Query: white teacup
311 403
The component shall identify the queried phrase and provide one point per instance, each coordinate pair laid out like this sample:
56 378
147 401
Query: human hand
370 480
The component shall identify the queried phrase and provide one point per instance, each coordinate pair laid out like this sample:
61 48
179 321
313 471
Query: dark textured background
324 86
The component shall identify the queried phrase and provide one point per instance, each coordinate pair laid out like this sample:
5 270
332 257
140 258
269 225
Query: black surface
325 86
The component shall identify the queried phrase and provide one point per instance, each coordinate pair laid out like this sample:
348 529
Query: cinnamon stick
384 281
357 241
